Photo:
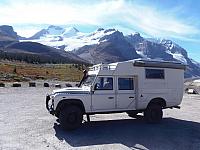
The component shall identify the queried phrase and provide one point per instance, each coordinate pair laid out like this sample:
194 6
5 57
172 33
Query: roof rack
159 64
102 67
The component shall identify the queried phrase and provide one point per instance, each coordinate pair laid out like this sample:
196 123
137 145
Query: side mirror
92 89
95 87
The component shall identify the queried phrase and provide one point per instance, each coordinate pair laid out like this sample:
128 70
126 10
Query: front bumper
50 104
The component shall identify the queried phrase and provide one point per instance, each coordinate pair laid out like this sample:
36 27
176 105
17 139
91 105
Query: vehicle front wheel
153 113
70 117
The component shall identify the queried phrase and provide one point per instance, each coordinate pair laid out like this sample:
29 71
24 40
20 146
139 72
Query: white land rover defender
133 86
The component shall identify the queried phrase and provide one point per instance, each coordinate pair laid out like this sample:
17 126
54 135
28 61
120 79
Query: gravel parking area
26 124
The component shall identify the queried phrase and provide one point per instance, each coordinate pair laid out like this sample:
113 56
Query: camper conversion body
136 86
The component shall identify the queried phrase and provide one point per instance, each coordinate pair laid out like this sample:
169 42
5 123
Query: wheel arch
66 102
159 101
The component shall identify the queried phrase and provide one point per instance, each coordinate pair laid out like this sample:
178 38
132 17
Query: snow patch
55 30
71 38
69 32
178 57
141 54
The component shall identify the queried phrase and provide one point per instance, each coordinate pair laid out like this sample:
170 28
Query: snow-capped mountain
172 48
110 45
55 31
68 38
52 31
55 36
163 49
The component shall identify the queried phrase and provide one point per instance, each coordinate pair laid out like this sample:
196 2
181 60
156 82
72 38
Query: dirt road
26 124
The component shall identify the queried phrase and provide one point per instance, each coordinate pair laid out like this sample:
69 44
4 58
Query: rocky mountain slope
111 47
8 31
7 35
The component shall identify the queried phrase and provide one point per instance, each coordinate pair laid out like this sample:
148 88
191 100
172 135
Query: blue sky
178 20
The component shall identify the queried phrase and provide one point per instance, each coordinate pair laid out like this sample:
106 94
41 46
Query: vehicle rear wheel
70 117
153 113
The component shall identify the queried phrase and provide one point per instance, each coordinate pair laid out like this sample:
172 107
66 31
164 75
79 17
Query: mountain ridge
55 31
111 45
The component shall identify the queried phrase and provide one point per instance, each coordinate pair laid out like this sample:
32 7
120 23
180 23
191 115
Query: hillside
45 53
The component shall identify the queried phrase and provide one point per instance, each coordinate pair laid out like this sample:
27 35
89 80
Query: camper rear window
155 73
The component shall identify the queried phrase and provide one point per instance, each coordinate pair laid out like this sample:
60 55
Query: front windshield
88 80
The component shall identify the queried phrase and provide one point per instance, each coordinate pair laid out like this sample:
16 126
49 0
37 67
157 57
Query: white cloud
101 13
50 12
154 22
36 13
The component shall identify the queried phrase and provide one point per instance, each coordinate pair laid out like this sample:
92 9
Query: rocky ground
26 124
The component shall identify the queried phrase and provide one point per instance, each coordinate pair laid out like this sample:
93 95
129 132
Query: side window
104 83
154 73
125 84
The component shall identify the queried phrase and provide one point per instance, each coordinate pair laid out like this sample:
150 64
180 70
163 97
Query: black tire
132 114
70 117
153 113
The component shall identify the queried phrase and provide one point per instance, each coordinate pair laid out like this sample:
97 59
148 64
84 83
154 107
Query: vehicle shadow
170 134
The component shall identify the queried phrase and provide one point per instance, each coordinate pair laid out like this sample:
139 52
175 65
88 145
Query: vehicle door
125 92
103 96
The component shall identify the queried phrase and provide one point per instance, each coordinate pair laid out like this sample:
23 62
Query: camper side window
125 84
154 73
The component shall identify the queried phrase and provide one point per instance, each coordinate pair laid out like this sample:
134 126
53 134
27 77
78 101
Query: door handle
110 97
131 97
